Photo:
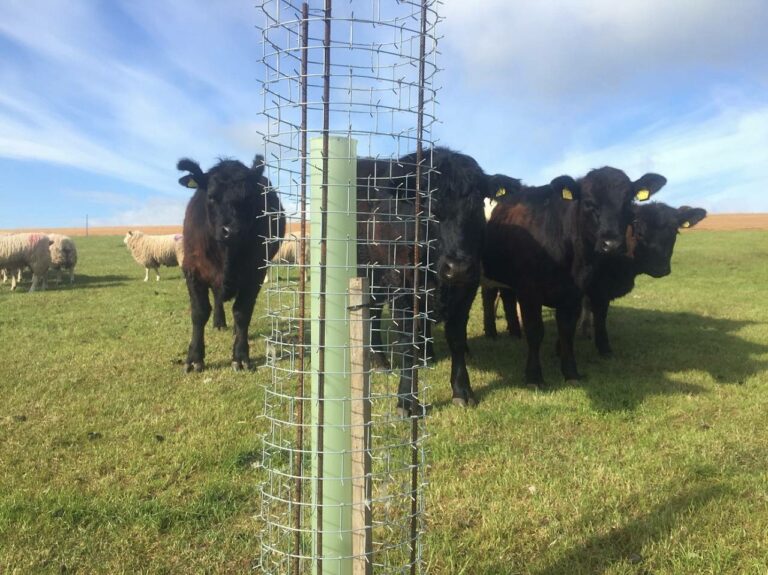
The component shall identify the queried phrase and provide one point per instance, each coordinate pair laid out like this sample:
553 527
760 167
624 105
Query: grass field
114 461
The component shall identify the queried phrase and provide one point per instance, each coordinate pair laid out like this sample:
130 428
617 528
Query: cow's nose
456 271
609 246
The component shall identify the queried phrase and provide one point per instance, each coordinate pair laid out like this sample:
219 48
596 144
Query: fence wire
365 70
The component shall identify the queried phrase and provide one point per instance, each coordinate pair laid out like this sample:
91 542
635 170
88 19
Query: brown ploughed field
712 222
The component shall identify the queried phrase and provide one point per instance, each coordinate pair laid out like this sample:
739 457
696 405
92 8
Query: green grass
114 461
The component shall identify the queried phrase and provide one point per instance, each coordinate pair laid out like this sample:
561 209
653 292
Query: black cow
228 219
650 240
453 221
548 251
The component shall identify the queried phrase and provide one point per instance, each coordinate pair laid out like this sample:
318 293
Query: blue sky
99 99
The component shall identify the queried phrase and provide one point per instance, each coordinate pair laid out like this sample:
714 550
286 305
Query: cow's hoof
405 413
461 402
415 410
572 381
241 365
196 366
606 353
380 361
536 385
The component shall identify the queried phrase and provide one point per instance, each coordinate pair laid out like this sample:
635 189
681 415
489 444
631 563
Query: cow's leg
489 311
379 357
219 318
534 334
242 310
407 392
567 316
509 301
585 319
456 337
600 310
201 311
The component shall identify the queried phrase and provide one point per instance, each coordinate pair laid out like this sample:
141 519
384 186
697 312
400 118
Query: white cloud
152 212
718 162
558 48
87 101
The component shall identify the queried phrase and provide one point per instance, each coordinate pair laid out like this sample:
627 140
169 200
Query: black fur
386 204
549 252
653 234
225 226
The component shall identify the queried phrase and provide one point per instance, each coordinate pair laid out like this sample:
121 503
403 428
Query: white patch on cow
489 204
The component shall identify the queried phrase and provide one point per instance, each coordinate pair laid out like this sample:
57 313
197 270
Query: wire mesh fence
349 99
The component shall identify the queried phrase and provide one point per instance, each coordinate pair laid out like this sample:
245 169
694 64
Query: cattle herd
573 245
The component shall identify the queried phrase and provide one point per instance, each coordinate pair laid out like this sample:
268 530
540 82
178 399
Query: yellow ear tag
642 195
501 192
191 183
567 194
686 225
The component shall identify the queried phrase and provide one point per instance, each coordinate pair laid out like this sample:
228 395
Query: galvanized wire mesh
365 70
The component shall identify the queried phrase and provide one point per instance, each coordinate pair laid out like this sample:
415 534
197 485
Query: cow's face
233 196
655 229
461 234
461 186
607 196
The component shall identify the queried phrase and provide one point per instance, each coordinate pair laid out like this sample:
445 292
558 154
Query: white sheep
63 255
20 250
288 252
154 251
13 273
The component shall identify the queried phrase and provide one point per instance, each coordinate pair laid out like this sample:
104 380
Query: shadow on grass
625 543
652 351
83 281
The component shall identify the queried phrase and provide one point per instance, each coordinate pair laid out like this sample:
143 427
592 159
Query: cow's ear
257 167
195 178
188 181
688 216
648 185
566 187
500 185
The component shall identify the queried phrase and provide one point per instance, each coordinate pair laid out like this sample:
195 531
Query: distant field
712 222
113 461
119 230
734 222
